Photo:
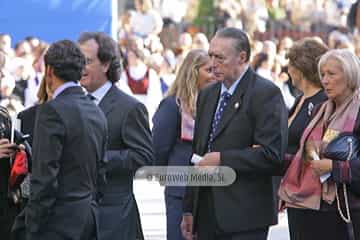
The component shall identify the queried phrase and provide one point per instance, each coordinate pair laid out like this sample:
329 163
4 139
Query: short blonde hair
185 86
349 63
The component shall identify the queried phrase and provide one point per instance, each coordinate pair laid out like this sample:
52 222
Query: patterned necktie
224 100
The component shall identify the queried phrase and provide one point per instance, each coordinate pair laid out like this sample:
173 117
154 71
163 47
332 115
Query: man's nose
86 67
213 62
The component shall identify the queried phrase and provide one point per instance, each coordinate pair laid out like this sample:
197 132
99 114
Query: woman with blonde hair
174 127
27 117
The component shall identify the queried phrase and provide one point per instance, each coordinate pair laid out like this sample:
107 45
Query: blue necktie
224 100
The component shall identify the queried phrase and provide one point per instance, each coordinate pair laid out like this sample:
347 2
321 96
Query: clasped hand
7 149
321 166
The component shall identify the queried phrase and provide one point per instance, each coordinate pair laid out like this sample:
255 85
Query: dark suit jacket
8 210
27 118
129 148
69 143
170 150
255 115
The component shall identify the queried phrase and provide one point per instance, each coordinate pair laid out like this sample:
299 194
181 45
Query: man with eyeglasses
241 123
130 142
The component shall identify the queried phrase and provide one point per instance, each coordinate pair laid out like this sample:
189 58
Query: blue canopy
53 20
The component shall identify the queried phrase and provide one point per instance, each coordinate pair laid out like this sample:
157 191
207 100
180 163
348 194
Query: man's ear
105 67
242 57
49 71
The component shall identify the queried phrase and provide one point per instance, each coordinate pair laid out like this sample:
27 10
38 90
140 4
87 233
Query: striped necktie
224 100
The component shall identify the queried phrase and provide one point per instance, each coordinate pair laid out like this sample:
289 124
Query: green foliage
205 13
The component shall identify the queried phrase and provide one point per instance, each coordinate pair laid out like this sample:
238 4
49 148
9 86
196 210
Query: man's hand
7 149
187 226
322 166
210 159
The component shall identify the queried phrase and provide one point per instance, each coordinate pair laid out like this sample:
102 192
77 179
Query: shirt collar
232 88
63 87
101 91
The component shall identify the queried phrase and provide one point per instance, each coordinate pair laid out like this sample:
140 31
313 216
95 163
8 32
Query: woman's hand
321 166
7 149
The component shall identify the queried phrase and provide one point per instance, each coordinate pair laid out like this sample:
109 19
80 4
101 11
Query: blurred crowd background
154 36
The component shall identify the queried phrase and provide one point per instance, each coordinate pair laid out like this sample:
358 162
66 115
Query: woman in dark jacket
303 60
173 126
27 117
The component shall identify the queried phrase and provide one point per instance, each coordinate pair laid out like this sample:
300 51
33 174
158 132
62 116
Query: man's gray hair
242 42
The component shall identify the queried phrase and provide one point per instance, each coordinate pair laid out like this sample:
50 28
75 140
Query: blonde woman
174 126
27 117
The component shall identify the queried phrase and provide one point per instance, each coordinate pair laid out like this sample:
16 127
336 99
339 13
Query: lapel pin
236 105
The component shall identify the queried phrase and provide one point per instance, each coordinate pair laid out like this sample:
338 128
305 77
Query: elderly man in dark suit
241 122
66 154
130 142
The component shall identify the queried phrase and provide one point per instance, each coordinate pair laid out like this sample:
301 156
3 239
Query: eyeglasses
88 61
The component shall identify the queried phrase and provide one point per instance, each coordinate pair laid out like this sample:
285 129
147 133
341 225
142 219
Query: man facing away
241 123
69 145
130 142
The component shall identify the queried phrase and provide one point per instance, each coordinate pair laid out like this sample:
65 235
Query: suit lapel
208 115
235 102
106 104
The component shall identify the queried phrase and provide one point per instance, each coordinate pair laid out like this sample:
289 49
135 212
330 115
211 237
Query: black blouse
302 119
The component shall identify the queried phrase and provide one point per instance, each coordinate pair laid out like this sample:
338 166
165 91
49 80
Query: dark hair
66 59
5 123
19 44
108 52
4 34
29 38
259 59
241 39
304 55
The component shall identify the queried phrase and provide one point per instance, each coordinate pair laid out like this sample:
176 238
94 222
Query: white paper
13 122
325 176
12 135
195 159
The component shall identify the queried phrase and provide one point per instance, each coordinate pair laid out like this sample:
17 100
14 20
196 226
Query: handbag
345 147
